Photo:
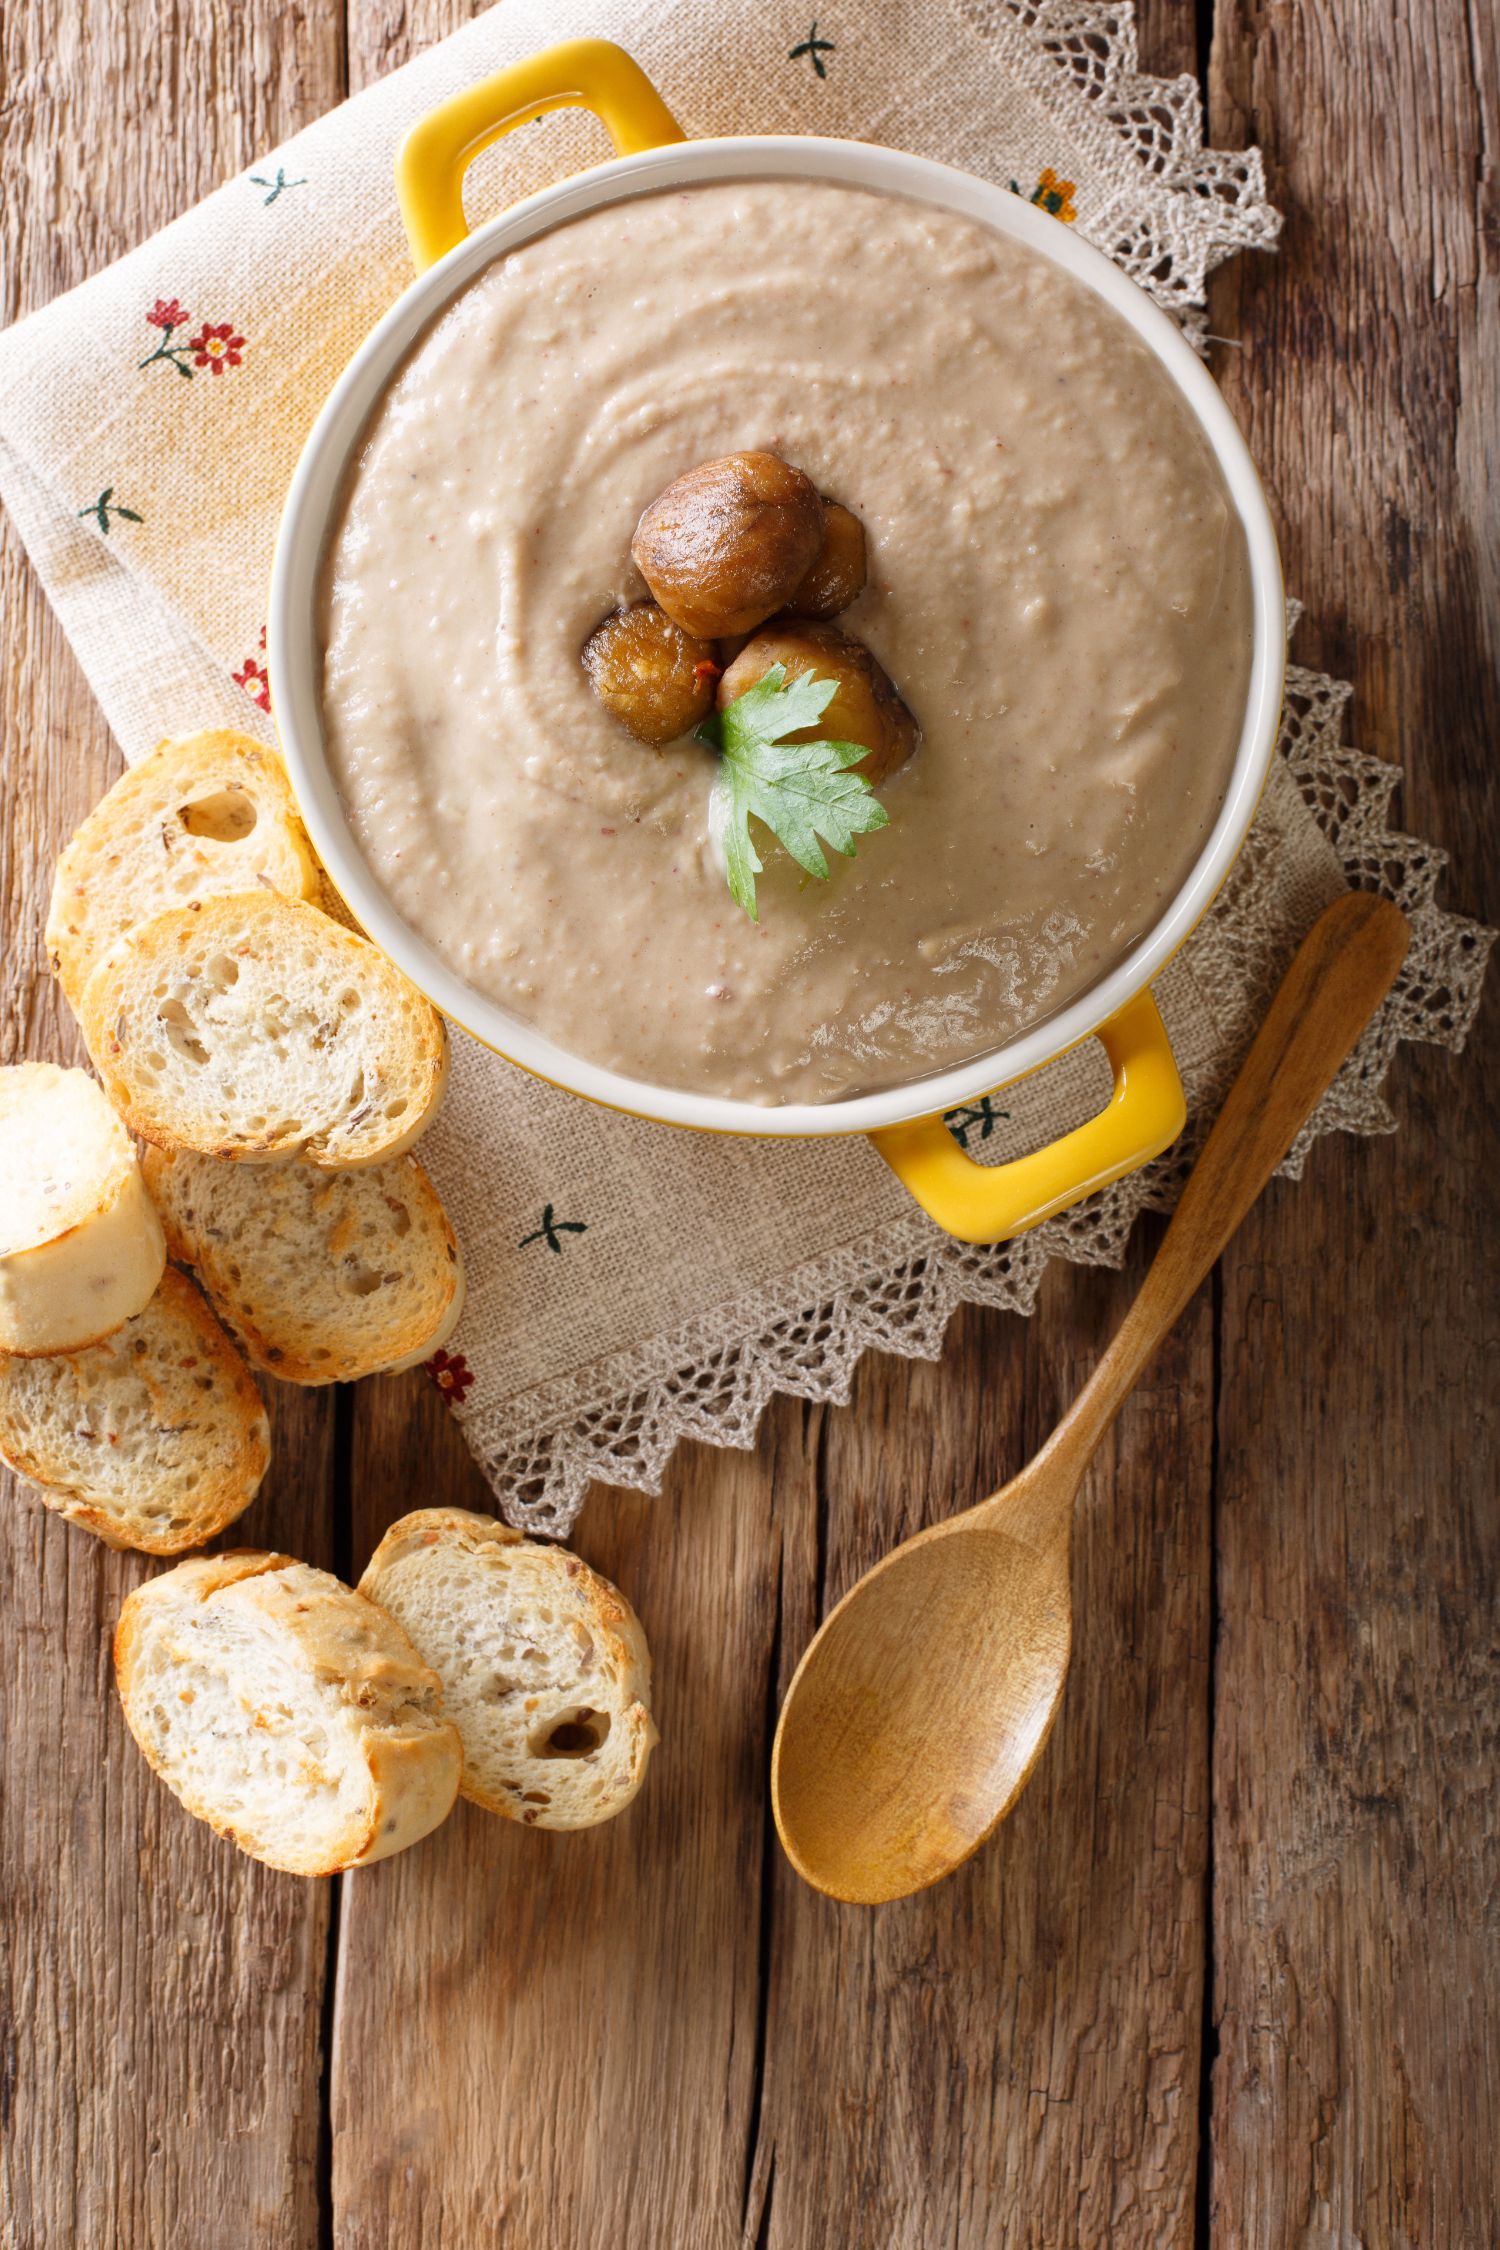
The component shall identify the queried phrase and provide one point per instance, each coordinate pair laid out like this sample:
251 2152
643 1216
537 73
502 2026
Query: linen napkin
631 1285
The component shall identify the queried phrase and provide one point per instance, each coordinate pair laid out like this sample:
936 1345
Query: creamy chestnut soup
1057 586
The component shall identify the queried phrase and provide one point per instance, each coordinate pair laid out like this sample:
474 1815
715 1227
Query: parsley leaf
801 790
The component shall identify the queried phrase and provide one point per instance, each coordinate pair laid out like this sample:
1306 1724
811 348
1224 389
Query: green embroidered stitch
550 1229
107 507
278 186
815 49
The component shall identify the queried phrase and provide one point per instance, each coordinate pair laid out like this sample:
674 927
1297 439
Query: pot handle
992 1202
580 73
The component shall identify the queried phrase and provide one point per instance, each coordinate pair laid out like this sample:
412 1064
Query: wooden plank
160 1996
577 1989
1012 2059
1357 1851
549 2040
655 2035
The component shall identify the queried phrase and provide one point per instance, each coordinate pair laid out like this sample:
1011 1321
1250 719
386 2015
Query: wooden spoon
915 1717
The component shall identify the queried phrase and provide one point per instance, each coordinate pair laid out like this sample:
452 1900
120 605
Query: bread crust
412 1759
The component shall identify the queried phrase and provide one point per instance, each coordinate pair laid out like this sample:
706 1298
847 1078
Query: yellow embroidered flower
1056 196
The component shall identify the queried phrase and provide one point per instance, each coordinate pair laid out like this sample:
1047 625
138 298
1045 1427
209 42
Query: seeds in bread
156 1438
209 814
285 1710
544 1666
253 1027
323 1276
81 1248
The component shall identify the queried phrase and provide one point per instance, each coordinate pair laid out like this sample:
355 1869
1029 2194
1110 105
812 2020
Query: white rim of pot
294 660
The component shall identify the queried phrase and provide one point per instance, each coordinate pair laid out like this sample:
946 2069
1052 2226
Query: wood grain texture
1012 2059
550 2038
160 1996
1356 1843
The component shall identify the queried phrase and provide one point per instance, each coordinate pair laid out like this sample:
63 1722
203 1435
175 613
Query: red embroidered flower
256 682
167 312
253 677
216 348
452 1374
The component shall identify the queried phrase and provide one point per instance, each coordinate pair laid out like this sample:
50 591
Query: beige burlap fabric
631 1285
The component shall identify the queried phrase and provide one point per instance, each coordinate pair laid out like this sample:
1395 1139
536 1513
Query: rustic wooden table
1230 1974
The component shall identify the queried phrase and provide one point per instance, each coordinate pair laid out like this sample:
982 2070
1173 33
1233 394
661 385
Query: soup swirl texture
1057 585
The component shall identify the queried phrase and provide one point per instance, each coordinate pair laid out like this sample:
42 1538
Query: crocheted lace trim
1185 208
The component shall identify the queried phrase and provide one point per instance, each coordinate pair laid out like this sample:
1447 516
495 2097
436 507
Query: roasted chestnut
865 707
726 544
837 575
653 677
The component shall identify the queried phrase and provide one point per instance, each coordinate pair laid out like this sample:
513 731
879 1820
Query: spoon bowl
884 1767
915 1717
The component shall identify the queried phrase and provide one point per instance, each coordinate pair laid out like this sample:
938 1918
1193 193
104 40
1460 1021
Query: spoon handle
1342 970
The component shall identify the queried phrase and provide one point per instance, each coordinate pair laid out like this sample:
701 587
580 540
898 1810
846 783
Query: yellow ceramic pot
977 1203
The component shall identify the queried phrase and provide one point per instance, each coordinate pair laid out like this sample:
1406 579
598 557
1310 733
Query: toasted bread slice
208 814
81 1247
544 1666
252 1026
156 1438
286 1711
323 1276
